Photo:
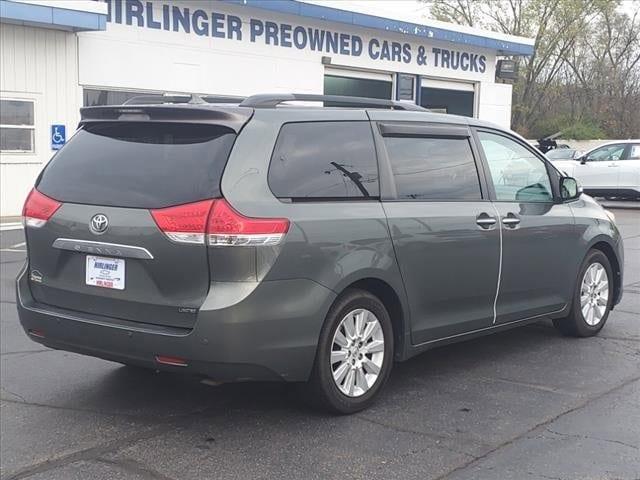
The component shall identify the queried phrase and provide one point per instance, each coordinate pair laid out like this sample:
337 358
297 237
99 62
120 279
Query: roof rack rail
192 98
160 99
273 100
222 98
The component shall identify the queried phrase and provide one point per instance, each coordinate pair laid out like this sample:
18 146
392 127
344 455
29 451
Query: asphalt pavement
524 404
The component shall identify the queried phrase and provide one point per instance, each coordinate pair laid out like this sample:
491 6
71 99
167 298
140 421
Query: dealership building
59 55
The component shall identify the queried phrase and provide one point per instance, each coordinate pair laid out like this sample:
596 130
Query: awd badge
35 276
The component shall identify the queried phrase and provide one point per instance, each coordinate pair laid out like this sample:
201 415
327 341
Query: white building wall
40 65
134 57
494 104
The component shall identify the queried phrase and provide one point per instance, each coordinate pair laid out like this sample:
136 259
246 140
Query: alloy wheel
594 294
357 352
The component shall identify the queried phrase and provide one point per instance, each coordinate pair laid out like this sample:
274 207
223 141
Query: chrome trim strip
102 248
491 327
495 300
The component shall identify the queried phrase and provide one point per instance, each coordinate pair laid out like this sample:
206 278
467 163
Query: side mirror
569 188
583 160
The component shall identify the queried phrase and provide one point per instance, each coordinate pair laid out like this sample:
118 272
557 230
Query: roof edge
501 43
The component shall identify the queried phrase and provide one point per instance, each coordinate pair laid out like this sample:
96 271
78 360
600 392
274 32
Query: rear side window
139 164
427 168
324 160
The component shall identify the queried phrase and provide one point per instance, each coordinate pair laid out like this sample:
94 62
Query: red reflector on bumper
36 333
173 361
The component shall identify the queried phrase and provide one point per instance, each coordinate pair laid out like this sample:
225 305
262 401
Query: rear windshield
140 165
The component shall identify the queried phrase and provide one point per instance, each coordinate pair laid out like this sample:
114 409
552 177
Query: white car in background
610 170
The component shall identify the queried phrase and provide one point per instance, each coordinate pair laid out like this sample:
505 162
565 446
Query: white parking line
15 248
5 227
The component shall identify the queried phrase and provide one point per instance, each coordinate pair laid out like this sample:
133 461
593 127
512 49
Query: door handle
510 220
485 221
612 165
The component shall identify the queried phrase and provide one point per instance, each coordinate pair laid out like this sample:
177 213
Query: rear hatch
113 245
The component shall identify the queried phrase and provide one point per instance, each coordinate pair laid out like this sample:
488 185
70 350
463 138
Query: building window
97 97
358 87
17 126
441 100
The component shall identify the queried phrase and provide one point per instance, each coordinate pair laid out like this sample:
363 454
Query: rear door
103 252
629 172
444 229
539 266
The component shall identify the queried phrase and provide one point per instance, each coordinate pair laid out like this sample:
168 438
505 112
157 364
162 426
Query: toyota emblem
99 224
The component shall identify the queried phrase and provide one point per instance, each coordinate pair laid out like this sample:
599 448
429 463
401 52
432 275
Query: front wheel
354 356
592 298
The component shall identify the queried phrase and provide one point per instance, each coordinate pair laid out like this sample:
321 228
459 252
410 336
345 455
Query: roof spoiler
230 117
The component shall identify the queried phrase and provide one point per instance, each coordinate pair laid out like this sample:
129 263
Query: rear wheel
354 356
592 298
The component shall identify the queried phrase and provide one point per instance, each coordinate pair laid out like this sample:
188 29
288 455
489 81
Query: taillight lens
184 223
219 224
38 208
229 228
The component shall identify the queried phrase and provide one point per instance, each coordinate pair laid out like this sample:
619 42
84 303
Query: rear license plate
105 272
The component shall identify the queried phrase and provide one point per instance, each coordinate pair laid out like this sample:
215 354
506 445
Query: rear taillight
226 227
38 208
219 224
184 223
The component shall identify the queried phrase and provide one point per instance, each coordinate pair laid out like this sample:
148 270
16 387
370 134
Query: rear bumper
269 335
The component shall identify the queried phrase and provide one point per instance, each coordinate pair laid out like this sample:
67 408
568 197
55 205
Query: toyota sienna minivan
269 239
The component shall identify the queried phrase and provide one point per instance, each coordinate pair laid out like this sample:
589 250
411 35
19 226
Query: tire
322 391
577 324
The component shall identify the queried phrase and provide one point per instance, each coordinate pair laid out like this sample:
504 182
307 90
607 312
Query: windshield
561 154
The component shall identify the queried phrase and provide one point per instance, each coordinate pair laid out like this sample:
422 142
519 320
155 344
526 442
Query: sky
414 10
409 10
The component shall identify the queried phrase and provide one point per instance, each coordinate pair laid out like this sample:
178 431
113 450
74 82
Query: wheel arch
394 305
608 250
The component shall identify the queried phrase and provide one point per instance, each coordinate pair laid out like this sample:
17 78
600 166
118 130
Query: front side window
324 160
607 153
426 168
17 126
517 174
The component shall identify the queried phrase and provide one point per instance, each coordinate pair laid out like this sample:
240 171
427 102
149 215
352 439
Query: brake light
218 223
38 208
184 223
226 227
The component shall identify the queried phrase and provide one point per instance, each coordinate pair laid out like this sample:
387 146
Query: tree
565 44
606 66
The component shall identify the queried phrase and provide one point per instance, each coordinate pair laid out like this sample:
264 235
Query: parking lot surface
524 404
